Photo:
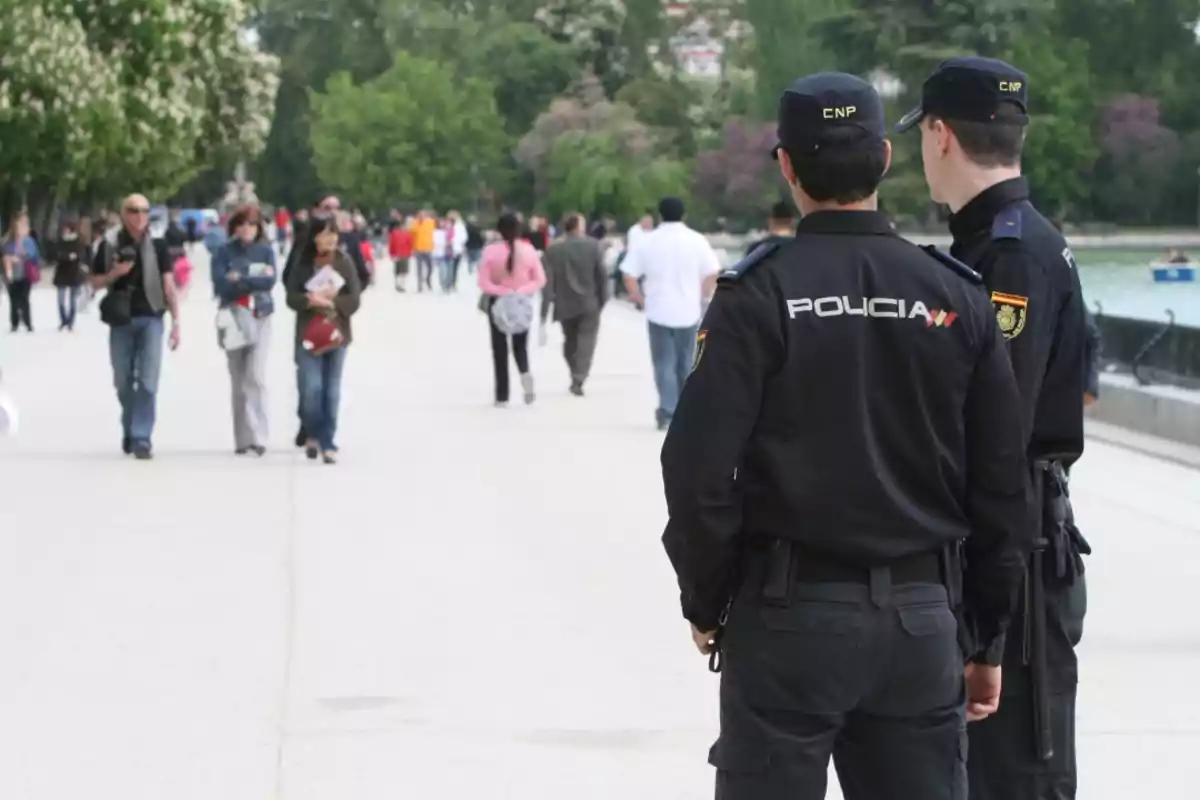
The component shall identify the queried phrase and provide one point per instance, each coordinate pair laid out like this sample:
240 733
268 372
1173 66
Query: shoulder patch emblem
701 335
1011 310
746 264
1007 224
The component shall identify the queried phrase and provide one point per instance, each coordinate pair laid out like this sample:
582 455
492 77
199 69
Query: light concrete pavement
473 603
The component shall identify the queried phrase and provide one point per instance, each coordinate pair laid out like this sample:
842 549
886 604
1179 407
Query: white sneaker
527 385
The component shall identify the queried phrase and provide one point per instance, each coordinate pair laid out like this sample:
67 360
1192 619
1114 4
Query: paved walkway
474 603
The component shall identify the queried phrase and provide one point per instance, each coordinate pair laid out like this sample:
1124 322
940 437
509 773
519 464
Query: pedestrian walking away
135 271
243 275
815 541
671 271
510 273
576 290
972 122
400 250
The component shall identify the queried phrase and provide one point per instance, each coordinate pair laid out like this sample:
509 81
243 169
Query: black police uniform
851 414
1026 751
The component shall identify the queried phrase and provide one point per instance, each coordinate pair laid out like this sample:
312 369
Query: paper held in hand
326 277
260 270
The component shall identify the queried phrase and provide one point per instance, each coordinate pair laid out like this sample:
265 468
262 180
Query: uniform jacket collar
845 222
977 215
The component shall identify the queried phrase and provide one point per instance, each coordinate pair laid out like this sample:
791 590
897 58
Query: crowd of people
324 257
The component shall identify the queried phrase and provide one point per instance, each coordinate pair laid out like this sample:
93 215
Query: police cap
818 109
972 90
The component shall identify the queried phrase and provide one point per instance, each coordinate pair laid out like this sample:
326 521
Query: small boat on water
1173 273
1175 267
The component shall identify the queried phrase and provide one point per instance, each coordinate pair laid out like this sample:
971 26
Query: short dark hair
992 144
671 209
782 211
573 223
846 168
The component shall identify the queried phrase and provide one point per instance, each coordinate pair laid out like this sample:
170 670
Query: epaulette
1007 224
954 264
748 263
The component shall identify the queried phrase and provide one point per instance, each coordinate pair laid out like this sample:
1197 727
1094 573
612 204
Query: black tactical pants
871 676
1003 764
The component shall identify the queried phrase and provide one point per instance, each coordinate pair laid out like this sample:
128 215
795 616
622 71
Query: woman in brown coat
336 300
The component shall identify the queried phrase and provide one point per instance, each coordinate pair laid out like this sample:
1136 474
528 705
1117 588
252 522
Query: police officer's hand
1088 399
705 642
983 691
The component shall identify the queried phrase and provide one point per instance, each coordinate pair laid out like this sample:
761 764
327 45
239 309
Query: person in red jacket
400 249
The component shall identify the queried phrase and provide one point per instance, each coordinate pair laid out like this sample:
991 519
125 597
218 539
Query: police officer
972 120
851 414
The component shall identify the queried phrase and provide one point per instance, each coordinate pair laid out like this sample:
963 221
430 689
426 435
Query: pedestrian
70 259
423 230
22 258
781 226
441 253
510 273
331 302
400 250
576 288
456 233
475 244
135 271
243 275
972 120
670 272
814 535
327 206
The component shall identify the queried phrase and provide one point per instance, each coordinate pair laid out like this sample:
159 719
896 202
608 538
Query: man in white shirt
679 271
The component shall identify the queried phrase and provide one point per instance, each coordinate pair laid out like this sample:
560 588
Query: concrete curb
1166 412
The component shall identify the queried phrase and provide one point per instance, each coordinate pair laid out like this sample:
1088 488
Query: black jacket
850 394
1034 284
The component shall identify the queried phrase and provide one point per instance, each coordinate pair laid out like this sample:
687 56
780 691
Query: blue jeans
320 394
136 351
66 305
671 350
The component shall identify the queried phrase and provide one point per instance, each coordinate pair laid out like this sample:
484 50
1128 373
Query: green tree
314 39
598 172
415 133
100 98
788 43
1060 145
669 104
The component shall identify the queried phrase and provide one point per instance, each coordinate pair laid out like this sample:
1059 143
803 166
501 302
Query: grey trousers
579 343
248 374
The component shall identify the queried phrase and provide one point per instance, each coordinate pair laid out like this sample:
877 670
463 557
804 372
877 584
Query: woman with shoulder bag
510 274
324 290
243 275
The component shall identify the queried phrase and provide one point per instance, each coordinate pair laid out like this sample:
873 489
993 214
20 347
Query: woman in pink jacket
510 266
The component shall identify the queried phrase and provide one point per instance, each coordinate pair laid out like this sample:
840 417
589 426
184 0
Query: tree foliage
416 132
592 154
739 179
108 96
